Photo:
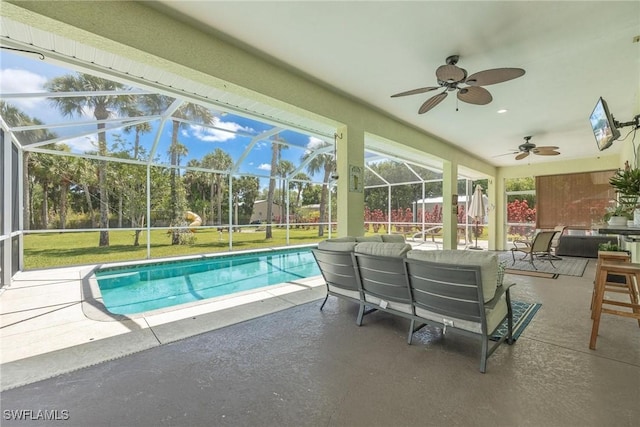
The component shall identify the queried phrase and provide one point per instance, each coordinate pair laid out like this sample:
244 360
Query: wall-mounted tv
603 125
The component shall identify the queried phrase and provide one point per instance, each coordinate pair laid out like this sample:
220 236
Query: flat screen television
603 126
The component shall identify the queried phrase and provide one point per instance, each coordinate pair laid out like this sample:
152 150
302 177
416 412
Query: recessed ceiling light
502 111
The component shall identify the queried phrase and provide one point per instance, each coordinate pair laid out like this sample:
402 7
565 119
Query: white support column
493 225
499 214
21 201
350 168
6 208
148 227
288 212
230 216
449 211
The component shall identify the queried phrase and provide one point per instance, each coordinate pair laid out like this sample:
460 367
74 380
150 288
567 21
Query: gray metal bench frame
455 292
338 270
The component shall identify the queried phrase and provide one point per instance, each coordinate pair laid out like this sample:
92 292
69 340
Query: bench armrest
501 290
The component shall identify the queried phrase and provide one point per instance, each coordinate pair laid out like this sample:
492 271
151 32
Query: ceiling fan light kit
528 147
450 77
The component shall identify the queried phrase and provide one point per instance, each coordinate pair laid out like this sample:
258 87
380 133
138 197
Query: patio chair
556 241
540 247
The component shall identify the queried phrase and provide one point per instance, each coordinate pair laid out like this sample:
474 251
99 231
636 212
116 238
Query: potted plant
619 215
626 183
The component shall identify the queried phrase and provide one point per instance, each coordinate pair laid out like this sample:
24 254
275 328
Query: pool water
132 290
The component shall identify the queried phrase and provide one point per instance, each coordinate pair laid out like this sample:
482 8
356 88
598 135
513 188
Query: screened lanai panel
126 140
65 193
290 159
425 173
394 172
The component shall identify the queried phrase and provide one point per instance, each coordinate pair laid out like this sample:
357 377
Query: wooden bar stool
632 272
613 285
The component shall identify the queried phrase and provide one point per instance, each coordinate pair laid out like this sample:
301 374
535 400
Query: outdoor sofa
450 289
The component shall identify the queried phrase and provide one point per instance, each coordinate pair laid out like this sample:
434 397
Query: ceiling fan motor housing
527 146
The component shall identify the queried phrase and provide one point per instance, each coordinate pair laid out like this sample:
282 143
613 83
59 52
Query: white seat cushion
494 318
383 249
338 246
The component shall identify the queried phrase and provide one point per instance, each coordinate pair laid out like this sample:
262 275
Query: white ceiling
573 52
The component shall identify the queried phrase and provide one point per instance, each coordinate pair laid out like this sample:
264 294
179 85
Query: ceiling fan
451 77
528 147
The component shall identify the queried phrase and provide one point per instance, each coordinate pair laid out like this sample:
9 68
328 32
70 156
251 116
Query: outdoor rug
523 312
567 266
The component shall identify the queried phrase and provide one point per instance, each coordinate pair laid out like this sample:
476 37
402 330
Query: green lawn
46 250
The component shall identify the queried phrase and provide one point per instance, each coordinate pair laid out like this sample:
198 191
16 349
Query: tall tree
102 107
285 167
62 170
298 183
245 192
158 104
40 170
137 215
218 161
321 162
276 147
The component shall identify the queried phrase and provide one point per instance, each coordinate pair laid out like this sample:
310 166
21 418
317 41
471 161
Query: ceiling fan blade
522 155
415 91
546 148
546 152
475 95
450 73
506 154
432 102
496 75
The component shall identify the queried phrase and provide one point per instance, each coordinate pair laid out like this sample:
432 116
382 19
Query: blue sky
27 74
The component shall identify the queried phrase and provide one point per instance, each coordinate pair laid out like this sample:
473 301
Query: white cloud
22 81
225 132
265 167
315 143
82 144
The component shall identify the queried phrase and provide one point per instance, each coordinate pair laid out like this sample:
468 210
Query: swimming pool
136 289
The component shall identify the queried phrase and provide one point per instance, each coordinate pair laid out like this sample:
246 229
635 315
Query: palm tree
326 163
62 169
158 104
285 167
298 183
219 161
40 169
275 154
103 107
137 219
86 179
